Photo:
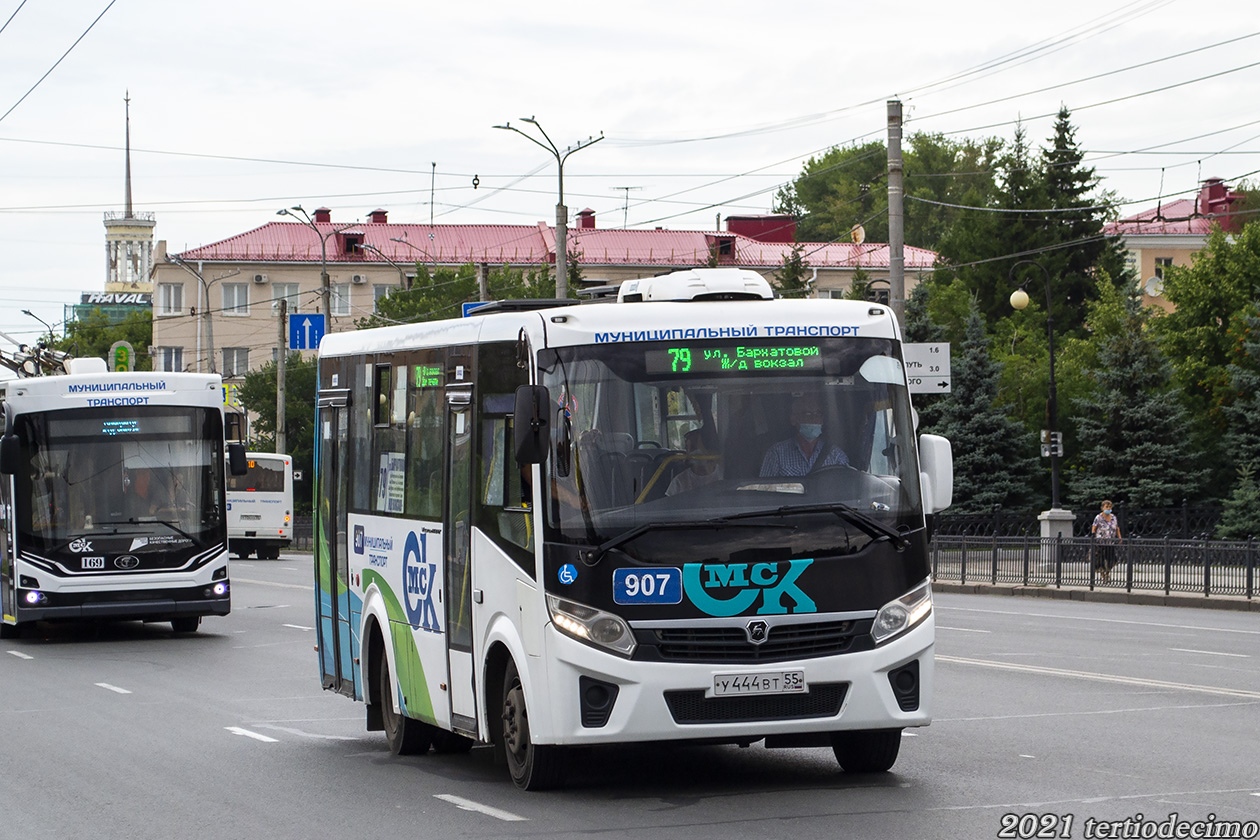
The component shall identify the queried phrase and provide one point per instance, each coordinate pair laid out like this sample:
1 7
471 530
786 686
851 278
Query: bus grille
730 644
692 707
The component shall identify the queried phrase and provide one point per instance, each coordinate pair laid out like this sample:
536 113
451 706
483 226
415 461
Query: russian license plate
767 682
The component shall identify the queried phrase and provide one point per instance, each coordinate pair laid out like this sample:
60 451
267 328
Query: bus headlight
588 624
896 617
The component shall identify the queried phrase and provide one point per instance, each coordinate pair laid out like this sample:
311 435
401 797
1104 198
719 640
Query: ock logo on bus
726 589
419 580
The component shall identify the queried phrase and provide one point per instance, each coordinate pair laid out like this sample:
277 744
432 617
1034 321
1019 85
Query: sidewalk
1106 595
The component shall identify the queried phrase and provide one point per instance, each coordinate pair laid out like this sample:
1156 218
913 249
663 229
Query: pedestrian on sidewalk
1106 534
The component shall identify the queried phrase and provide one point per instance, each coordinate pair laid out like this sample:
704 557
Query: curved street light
1019 301
325 290
562 212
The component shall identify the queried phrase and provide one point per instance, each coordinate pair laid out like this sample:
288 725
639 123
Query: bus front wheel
532 766
186 624
406 736
866 751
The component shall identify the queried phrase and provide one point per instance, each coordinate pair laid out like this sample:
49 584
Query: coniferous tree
791 276
993 464
920 329
1240 515
1242 434
1133 433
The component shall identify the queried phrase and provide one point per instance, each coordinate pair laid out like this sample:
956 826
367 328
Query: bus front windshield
120 470
658 435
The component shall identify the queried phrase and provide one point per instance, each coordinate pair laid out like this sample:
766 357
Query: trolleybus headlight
896 617
591 625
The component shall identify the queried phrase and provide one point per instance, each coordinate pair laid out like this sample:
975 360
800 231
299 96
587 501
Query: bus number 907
647 586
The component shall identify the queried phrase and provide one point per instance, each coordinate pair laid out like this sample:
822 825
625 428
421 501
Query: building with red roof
216 307
1170 234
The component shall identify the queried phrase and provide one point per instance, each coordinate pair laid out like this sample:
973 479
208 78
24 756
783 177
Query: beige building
1171 234
216 308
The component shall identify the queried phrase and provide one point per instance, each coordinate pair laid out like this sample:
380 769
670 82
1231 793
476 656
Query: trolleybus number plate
771 682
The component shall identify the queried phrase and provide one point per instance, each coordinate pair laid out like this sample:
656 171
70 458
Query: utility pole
896 215
562 212
483 281
282 361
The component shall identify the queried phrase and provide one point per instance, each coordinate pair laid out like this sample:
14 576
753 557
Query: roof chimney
777 228
1214 202
378 216
323 214
586 218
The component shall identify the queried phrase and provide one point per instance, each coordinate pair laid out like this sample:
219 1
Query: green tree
792 277
1212 297
859 285
836 191
441 295
1240 515
96 333
1133 433
258 396
992 460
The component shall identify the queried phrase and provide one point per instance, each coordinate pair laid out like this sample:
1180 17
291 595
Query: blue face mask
810 431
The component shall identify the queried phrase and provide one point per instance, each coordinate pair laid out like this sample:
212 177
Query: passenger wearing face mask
806 450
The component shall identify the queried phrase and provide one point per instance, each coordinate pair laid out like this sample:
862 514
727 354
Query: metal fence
1204 567
303 533
1184 521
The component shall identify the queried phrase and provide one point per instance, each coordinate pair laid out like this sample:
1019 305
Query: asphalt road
1099 712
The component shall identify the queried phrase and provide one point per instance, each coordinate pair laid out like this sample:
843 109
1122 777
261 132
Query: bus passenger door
332 582
458 571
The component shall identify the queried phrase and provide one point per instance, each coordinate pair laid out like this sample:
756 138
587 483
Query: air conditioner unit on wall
358 279
260 278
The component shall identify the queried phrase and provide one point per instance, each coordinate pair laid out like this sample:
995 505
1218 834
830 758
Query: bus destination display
685 358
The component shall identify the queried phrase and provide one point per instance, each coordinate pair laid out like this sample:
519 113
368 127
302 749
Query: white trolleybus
260 506
111 488
597 524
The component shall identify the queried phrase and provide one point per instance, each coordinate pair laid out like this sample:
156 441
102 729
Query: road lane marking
297 626
940 608
303 587
962 629
18 654
1090 675
236 730
1211 652
304 734
113 688
469 805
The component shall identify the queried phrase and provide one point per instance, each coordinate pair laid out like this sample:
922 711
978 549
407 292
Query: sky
239 109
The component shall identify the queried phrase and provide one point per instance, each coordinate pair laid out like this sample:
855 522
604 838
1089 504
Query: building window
340 303
170 298
235 299
168 359
235 361
287 292
379 293
1161 265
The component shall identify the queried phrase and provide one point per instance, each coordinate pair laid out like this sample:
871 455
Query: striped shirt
786 458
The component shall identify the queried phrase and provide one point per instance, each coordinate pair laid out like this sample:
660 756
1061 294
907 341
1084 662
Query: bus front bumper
143 604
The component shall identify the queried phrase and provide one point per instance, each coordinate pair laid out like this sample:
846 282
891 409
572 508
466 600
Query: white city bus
503 554
111 491
260 506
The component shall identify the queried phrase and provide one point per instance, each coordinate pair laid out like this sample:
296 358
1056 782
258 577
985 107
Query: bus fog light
35 597
591 625
896 617
219 589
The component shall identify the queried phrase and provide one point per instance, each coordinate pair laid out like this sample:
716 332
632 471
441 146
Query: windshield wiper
873 528
592 556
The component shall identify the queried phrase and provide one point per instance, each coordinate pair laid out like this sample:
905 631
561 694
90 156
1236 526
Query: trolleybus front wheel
866 751
186 624
532 766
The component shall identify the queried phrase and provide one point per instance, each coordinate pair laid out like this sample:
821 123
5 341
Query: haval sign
117 298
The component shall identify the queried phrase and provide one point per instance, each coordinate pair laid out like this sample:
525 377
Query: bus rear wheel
866 751
406 736
532 766
186 624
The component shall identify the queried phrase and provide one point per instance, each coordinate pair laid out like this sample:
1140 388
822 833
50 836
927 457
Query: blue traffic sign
305 331
471 306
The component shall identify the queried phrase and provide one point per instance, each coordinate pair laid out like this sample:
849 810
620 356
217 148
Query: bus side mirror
531 424
237 464
936 473
10 454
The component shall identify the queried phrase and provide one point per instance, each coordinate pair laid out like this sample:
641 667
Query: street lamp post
562 212
39 353
402 274
325 290
203 297
1056 522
